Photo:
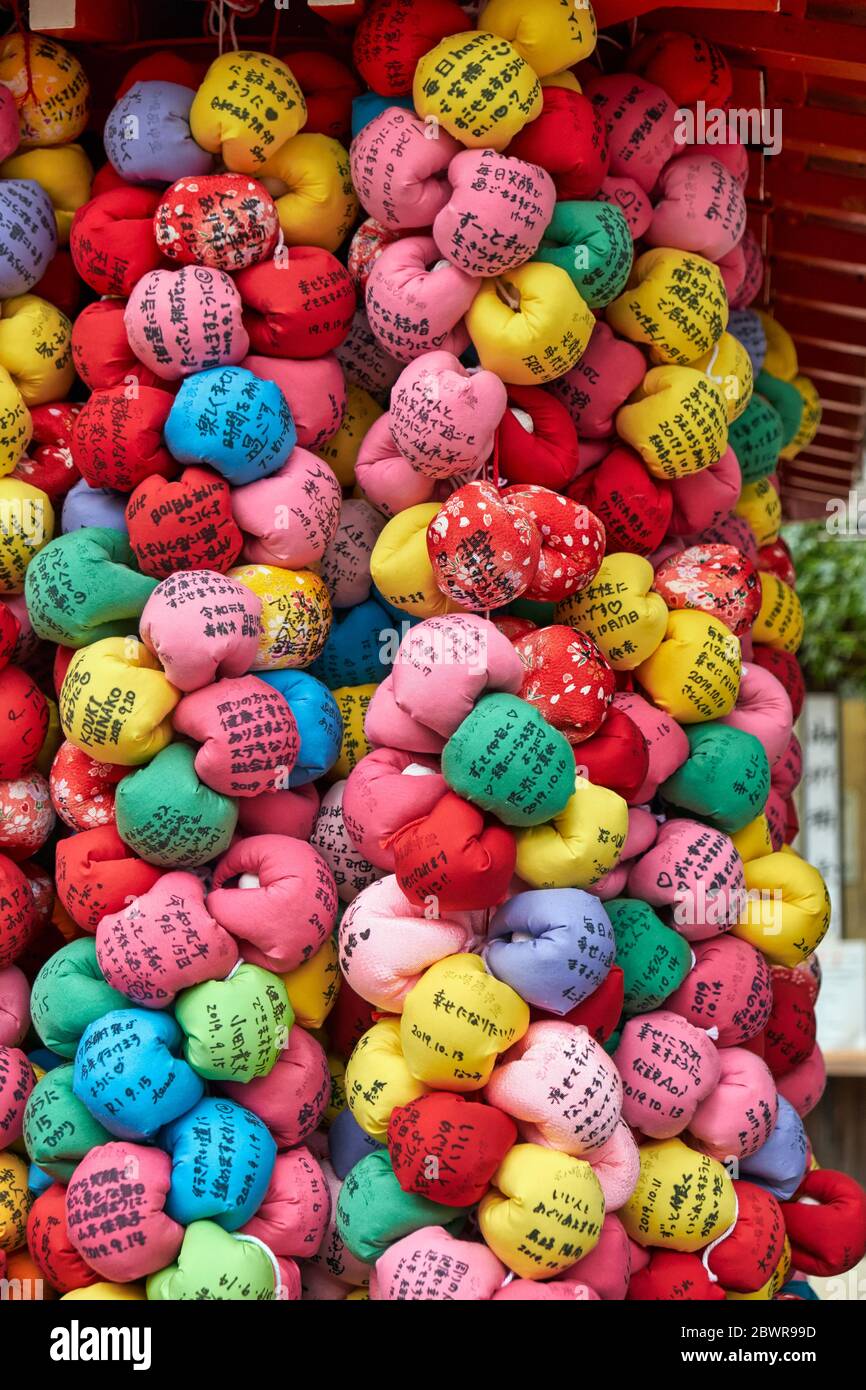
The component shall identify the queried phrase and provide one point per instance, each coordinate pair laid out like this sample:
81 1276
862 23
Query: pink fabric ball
315 389
294 1095
497 214
431 1266
385 790
14 1006
290 518
601 382
398 172
202 627
294 1214
346 562
183 321
696 871
289 812
415 306
699 207
740 1115
666 742
444 418
763 708
330 837
121 1186
386 478
667 1068
248 735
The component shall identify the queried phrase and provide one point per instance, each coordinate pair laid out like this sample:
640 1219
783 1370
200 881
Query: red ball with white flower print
572 541
567 679
717 579
49 464
83 790
484 550
224 221
366 247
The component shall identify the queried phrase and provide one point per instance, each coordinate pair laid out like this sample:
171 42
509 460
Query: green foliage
831 585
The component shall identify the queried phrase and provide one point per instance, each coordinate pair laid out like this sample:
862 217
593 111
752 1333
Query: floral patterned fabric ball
484 550
82 790
567 679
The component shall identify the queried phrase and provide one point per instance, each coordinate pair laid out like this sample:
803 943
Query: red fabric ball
18 916
163 66
101 351
468 1139
349 1019
83 790
186 524
117 441
672 1276
830 1237
569 140
329 89
49 1244
777 559
791 1030
298 307
484 550
61 283
10 629
786 668
703 500
49 465
716 579
633 507
26 815
572 542
224 221
394 34
513 628
546 455
792 821
567 679
616 756
455 856
600 1012
106 180
97 873
62 658
23 722
112 240
687 67
744 1260
365 248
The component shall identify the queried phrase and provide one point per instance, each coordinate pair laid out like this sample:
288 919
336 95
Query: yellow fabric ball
296 615
754 840
26 525
16 426
694 675
454 82
52 740
531 325
729 366
15 1199
378 1078
543 1212
310 179
562 79
787 908
341 450
810 419
677 422
400 566
580 845
353 701
619 610
313 986
761 506
683 1199
115 702
106 1293
549 34
248 105
781 356
780 620
456 1021
62 92
674 303
769 1290
64 172
36 348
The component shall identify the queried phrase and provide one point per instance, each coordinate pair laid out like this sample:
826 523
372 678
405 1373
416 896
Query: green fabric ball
592 243
58 1128
725 780
756 439
373 1210
506 758
235 1028
786 400
84 586
653 958
169 817
213 1264
69 993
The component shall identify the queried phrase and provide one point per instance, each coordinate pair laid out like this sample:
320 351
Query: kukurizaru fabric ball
112 242
686 65
315 389
786 907
568 139
591 242
567 679
293 1096
329 87
581 843
329 835
655 960
694 674
222 1160
468 1140
385 790
35 348
128 1074
416 301
454 1049
343 449
318 721
183 830
188 321
26 712
14 1006
95 872
549 38
540 765
655 1214
531 326
640 119
475 1278
533 1232
101 351
295 618
497 213
353 703
780 622
117 440
757 438
616 755
373 1210
634 507
69 993
248 735
664 280
537 439
400 566
289 518
115 702
572 542
729 989
346 561
484 548
101 1192
29 234
457 101
183 524
699 207
231 118
313 986
738 1117
555 947
84 505
678 422
729 367
398 171
201 626
455 857
50 89
779 1165
147 135
221 1048
16 425
443 418
211 1261
224 221
754 1246
300 305
392 37
725 779
354 652
310 178
619 610
696 871
810 416
59 1130
17 1199
717 579
668 1068
791 1027
17 1080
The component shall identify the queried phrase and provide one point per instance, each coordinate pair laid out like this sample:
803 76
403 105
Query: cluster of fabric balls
399 677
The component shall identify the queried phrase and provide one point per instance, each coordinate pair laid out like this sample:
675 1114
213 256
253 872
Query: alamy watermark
711 125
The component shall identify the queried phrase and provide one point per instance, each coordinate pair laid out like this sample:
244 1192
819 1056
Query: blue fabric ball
230 419
222 1160
355 652
317 715
128 1074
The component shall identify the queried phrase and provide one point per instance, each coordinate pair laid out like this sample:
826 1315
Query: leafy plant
831 585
